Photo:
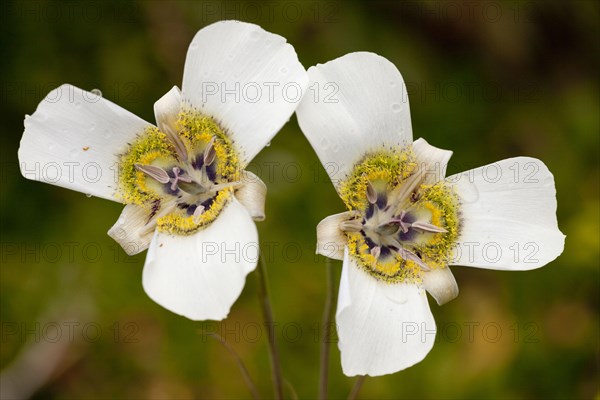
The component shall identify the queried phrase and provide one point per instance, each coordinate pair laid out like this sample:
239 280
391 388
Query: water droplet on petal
193 46
268 144
97 92
88 195
396 107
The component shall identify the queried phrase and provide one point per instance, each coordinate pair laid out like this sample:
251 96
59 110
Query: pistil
180 176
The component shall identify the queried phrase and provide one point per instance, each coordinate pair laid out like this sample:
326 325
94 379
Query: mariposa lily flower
188 198
405 223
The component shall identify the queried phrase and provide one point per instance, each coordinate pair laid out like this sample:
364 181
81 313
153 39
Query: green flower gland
401 226
182 178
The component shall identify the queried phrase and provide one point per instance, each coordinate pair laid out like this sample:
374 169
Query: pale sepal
432 161
131 229
252 194
440 284
166 109
331 240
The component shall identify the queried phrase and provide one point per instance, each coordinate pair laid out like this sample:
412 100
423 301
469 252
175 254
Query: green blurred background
488 80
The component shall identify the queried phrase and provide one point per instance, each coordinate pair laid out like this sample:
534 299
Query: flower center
401 226
182 178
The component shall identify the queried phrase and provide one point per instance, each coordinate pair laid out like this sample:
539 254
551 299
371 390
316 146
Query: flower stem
238 360
356 388
291 389
265 303
325 330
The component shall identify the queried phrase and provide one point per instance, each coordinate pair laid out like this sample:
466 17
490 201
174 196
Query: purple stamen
427 227
376 251
210 153
409 255
371 193
177 143
153 172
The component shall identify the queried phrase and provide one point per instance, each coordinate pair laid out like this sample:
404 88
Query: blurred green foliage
488 80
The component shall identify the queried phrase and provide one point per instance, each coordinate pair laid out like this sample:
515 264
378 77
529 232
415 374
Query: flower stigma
183 177
399 225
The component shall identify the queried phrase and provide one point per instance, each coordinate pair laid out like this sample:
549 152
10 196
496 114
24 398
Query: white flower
406 223
188 197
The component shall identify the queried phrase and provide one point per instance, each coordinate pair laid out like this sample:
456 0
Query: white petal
249 79
432 161
74 139
166 109
508 216
383 328
200 276
131 230
355 103
440 284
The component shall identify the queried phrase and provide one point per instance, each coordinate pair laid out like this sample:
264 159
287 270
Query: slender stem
263 295
326 330
356 388
291 389
242 367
